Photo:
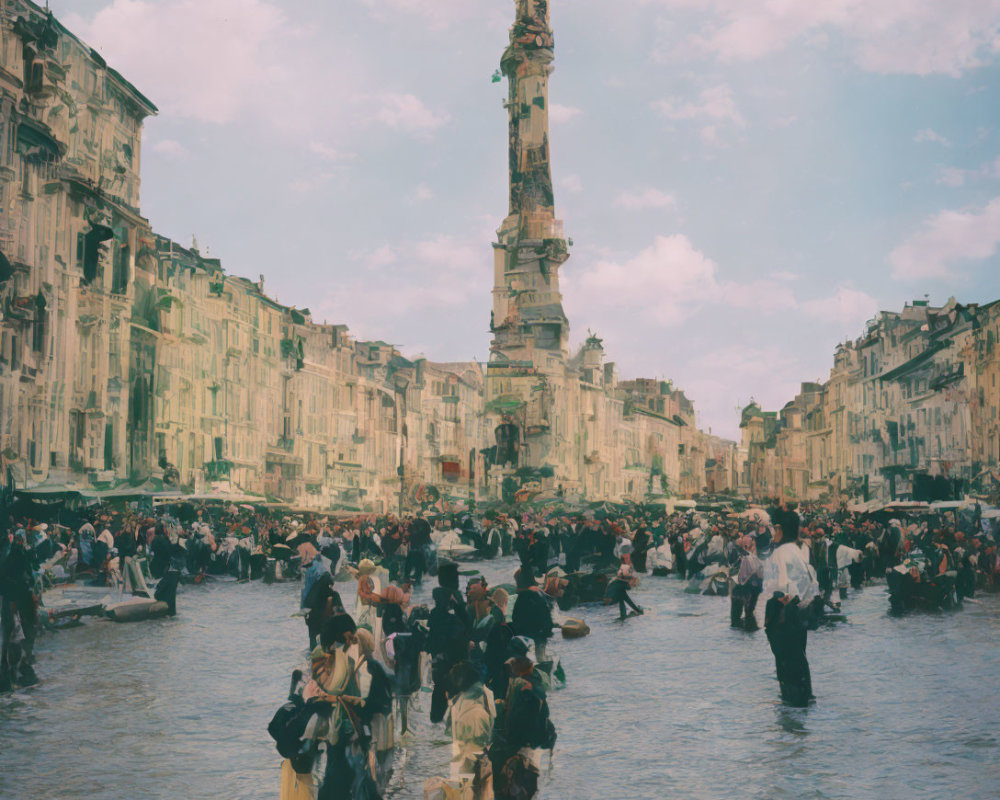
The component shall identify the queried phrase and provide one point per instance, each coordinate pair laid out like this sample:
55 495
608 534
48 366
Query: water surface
672 704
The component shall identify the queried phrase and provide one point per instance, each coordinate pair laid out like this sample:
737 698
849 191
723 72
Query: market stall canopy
222 497
947 505
863 508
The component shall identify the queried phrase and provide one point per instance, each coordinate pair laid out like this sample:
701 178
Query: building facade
910 412
130 360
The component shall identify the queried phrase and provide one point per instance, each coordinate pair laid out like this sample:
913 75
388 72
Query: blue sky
745 182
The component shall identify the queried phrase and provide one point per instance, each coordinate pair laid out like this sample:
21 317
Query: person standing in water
746 586
617 591
790 585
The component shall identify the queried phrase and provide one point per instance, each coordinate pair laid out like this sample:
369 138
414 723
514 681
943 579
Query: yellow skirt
294 786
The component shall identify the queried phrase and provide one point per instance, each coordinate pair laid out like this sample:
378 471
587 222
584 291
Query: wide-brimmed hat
366 566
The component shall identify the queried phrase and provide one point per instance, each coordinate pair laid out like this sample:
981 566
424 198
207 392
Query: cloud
850 308
955 176
930 135
223 56
438 15
328 153
671 281
668 283
560 114
311 182
645 198
422 194
572 184
920 37
724 378
407 112
396 286
250 62
945 240
714 103
171 149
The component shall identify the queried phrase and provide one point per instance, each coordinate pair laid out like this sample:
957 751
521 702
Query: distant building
910 411
129 360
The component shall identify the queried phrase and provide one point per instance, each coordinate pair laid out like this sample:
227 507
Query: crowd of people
487 670
482 650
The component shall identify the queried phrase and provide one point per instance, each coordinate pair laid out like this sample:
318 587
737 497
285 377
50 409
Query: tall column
527 383
530 248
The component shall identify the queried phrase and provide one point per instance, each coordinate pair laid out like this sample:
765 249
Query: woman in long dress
375 684
369 586
333 695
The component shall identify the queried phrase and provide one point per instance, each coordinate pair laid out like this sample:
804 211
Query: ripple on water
674 703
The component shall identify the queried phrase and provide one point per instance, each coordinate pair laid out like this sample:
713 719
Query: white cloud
887 36
572 184
665 283
422 194
406 283
645 198
955 176
784 275
672 281
930 135
559 114
311 182
328 153
724 378
848 307
207 60
710 135
669 282
171 149
408 113
438 15
714 103
248 61
946 239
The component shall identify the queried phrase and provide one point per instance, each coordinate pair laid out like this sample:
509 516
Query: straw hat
366 567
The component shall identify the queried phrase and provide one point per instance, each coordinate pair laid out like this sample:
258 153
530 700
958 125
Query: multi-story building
70 232
909 412
129 362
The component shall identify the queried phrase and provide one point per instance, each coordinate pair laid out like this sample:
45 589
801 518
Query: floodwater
671 704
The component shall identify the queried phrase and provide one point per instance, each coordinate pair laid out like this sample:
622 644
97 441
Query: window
38 330
120 270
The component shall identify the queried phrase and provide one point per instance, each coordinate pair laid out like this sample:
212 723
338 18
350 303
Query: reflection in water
792 720
670 704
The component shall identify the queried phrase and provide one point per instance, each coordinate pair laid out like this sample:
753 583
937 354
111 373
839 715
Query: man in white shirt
790 585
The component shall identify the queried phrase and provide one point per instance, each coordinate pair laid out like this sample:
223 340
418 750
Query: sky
746 182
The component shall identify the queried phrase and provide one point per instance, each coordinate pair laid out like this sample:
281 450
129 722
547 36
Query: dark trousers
680 564
440 667
787 637
742 607
416 565
618 592
338 776
625 599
